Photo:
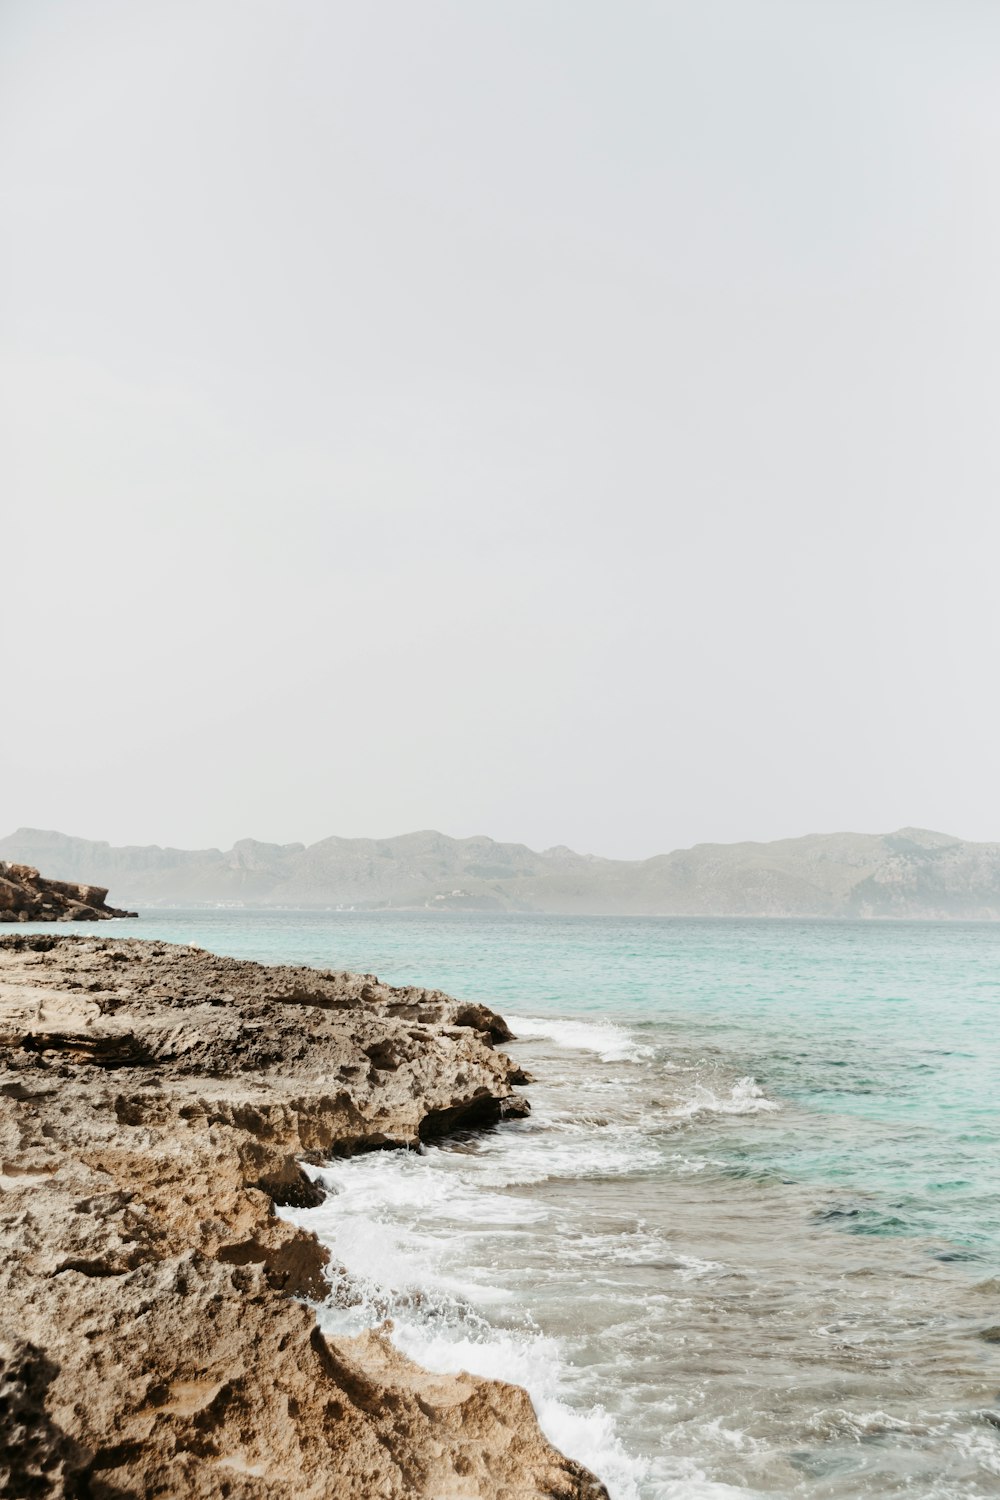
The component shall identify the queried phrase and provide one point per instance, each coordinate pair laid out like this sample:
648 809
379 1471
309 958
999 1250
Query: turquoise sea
748 1242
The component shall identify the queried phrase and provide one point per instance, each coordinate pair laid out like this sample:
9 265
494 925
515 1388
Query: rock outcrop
26 896
157 1339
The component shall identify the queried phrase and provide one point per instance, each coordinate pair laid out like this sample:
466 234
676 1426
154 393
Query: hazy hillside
911 873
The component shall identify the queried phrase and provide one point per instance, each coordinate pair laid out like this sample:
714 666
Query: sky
572 422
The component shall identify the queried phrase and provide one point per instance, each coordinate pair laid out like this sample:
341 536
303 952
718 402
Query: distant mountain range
910 873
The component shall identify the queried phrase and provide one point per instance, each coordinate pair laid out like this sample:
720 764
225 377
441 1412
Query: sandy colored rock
155 1103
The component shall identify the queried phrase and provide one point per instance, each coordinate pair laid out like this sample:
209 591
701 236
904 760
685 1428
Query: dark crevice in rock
109 1052
477 1113
294 1191
384 1056
114 1457
91 1268
363 1393
38 1458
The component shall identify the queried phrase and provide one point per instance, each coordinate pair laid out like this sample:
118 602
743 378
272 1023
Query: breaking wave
610 1042
744 1098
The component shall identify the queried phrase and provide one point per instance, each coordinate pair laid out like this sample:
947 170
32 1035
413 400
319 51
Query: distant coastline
912 874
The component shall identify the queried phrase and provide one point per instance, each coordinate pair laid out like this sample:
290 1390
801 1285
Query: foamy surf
610 1042
391 1222
744 1098
455 1246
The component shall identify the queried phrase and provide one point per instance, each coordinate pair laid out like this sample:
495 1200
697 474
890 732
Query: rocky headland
27 896
157 1336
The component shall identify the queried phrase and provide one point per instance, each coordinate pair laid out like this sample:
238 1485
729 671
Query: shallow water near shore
748 1241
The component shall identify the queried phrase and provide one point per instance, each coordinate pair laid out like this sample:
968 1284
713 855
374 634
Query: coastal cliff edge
157 1336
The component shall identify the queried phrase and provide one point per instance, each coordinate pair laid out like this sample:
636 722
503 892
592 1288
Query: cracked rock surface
155 1104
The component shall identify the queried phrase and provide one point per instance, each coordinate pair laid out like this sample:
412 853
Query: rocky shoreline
27 896
156 1103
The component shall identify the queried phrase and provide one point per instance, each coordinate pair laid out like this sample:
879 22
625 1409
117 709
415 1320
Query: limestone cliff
155 1103
26 896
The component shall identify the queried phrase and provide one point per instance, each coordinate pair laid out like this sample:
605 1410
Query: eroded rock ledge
26 896
155 1102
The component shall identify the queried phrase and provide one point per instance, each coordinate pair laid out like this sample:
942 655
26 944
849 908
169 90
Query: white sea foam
610 1042
553 1144
446 1244
536 1363
744 1098
691 1483
391 1222
449 1244
692 1267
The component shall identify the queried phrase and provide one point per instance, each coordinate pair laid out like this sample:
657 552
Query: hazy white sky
573 422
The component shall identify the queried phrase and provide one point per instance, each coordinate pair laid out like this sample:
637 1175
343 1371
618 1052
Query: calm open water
748 1243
